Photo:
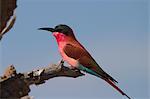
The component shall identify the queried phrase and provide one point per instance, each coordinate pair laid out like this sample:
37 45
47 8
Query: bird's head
60 30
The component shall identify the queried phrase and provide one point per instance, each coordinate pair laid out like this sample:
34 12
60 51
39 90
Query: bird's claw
61 63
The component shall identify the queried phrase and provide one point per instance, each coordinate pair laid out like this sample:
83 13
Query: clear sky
115 32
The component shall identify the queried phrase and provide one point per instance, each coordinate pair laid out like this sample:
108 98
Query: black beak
47 29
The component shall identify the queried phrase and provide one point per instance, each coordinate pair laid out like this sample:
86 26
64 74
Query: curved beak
47 29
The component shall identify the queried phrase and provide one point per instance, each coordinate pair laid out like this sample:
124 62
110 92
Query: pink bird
77 56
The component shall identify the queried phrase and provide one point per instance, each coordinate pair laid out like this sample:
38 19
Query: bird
75 54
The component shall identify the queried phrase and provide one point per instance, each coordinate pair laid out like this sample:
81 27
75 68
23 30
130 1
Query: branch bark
17 85
7 16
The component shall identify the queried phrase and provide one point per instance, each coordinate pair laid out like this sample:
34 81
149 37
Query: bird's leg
61 62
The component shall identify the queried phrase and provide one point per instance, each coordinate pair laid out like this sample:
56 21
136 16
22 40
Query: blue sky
115 32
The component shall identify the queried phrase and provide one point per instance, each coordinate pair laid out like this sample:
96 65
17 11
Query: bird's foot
61 62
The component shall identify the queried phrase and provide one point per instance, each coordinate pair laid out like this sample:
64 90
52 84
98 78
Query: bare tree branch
16 85
7 16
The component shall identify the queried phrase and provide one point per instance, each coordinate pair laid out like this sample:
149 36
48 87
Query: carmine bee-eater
77 56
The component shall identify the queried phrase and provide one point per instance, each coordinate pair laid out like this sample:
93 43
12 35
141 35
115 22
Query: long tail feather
108 79
111 78
116 87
